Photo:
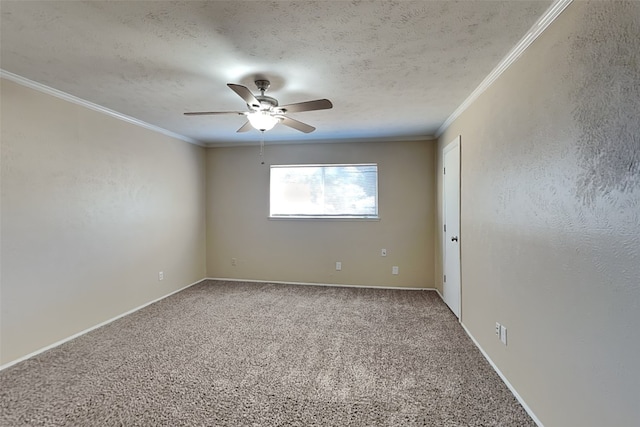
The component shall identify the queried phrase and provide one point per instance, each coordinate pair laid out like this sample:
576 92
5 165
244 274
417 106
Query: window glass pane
324 191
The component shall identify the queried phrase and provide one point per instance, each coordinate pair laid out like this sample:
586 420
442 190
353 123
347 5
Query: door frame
455 143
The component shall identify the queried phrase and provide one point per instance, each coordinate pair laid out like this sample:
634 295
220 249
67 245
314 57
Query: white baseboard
334 285
503 378
106 322
500 374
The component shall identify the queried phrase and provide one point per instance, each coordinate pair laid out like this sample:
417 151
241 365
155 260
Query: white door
451 244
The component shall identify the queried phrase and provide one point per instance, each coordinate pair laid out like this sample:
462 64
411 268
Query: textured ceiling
391 68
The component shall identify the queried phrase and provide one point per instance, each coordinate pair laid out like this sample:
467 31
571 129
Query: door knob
454 239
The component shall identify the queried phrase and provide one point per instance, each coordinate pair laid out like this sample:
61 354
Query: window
324 191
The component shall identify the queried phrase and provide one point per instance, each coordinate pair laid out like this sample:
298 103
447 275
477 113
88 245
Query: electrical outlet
234 262
503 334
394 269
161 275
338 266
498 329
383 252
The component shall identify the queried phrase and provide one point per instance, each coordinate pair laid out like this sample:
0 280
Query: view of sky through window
324 191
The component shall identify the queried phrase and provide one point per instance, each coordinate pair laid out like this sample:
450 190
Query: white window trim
327 217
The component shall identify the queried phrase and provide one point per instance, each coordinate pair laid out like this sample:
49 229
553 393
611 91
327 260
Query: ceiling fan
264 112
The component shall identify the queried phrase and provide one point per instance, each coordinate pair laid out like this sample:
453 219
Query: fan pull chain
262 147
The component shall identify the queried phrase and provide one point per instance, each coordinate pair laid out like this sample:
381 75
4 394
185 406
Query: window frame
316 217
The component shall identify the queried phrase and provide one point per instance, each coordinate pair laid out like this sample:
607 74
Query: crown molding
409 138
90 105
538 28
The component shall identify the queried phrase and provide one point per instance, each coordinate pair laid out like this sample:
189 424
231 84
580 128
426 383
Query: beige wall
306 250
92 209
550 220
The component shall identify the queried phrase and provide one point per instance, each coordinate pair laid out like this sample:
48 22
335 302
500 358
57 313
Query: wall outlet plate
383 252
161 275
503 334
394 270
338 266
498 329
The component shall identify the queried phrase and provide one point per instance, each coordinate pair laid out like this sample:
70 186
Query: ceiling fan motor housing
267 102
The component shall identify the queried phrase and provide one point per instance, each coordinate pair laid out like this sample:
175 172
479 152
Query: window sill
324 218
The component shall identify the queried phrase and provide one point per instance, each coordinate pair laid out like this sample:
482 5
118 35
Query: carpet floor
253 354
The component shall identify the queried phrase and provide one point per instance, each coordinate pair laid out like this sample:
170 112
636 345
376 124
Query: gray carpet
247 354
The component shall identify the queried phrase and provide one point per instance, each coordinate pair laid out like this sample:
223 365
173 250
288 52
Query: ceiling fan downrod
262 85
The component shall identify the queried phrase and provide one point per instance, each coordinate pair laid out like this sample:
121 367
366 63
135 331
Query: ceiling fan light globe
262 120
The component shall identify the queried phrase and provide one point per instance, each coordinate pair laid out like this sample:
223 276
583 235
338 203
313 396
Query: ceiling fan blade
208 113
318 104
302 127
245 127
245 94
